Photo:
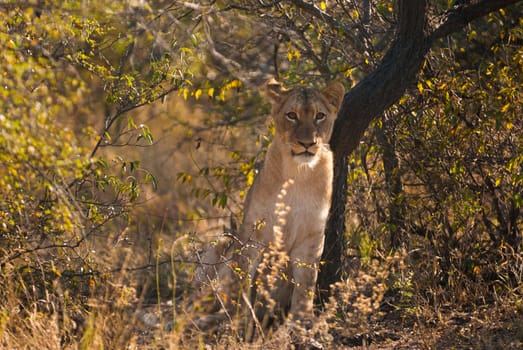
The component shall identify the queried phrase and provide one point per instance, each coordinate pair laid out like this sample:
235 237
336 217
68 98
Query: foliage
57 193
39 158
442 169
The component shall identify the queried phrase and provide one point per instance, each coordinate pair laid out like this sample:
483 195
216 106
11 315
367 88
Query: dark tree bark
377 92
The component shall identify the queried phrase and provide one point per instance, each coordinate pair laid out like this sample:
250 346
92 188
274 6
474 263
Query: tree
378 91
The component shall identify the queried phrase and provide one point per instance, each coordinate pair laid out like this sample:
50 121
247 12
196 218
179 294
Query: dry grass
381 306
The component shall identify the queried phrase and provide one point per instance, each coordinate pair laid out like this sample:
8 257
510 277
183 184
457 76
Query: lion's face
304 118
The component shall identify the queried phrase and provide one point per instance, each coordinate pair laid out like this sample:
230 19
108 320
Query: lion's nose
308 144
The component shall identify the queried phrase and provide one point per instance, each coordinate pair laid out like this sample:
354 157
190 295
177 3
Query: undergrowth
378 302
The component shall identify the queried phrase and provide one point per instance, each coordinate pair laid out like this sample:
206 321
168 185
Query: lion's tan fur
287 206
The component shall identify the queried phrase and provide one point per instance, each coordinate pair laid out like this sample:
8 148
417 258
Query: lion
271 263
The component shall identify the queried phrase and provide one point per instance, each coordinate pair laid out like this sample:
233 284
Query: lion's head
304 117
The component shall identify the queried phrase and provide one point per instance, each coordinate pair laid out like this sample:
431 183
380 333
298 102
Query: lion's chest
296 207
306 211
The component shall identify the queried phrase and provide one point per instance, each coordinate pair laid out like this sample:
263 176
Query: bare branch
121 111
227 63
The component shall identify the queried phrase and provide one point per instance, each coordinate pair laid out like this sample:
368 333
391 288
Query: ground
486 327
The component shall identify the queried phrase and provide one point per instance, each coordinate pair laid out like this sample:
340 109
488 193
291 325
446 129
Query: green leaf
149 178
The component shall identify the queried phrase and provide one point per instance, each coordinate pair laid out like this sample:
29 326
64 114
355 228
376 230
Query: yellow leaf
404 99
186 50
235 83
293 54
250 178
210 92
323 6
197 94
505 108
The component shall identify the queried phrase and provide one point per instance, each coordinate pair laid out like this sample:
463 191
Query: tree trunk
335 238
378 91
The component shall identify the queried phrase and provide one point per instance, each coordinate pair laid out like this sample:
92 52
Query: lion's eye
292 116
320 116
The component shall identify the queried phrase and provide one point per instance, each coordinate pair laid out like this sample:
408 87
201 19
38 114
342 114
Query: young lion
286 208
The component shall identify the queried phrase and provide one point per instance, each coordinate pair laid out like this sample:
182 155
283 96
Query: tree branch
385 85
315 11
457 18
109 121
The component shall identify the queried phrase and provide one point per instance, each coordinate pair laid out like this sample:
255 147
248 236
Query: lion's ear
334 94
274 91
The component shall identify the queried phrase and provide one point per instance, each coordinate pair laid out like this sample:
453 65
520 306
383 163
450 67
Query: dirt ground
483 329
488 327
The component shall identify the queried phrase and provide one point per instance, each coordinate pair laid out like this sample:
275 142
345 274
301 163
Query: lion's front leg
304 278
305 261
